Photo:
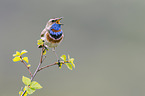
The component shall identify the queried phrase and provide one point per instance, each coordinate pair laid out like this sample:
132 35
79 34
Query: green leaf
69 66
17 54
71 61
26 80
35 85
26 59
63 57
40 42
30 90
23 52
16 59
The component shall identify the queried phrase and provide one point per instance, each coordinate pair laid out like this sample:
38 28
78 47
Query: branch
56 63
47 66
44 58
27 68
36 69
41 60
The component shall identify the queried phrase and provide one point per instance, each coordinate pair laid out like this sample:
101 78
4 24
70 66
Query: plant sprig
30 85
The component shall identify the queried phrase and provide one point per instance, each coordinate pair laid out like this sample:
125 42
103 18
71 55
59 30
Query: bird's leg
53 49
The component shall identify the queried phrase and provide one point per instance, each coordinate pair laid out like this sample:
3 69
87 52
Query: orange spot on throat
56 30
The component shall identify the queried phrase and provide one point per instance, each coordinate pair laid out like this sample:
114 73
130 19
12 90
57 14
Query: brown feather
56 30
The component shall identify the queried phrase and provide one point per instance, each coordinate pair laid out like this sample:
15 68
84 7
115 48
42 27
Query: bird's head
55 20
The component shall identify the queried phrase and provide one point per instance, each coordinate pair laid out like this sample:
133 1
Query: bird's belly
51 45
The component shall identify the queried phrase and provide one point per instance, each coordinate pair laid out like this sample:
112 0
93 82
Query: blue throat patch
56 35
56 26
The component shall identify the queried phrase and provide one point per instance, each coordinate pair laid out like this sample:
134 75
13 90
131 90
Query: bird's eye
53 21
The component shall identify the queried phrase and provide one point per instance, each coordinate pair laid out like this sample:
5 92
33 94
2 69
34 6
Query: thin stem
53 49
62 62
41 60
27 68
47 66
36 69
44 58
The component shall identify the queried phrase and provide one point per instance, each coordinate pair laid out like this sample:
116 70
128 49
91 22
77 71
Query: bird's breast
54 37
55 34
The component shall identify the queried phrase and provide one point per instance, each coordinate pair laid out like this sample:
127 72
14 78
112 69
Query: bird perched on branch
52 34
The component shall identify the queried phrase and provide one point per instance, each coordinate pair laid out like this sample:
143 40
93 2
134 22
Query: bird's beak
58 20
61 18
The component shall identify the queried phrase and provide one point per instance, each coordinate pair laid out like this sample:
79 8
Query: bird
52 35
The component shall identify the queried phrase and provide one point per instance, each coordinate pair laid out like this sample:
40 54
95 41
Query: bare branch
41 60
47 66
56 63
27 68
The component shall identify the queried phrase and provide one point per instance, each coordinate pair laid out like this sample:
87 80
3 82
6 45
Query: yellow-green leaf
16 59
40 42
63 57
21 92
23 52
69 66
29 90
24 89
35 85
26 59
72 62
25 92
44 52
26 80
60 66
28 65
17 54
68 57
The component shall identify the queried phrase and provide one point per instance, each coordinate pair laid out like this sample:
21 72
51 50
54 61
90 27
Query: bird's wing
43 32
46 29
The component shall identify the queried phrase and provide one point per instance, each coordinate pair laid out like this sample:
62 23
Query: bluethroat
52 35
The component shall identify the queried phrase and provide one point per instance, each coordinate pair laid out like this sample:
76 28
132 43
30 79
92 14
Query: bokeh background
106 38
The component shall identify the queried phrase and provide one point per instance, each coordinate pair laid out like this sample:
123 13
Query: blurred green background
106 38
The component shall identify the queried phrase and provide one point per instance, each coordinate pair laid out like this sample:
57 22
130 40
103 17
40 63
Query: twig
47 66
44 58
36 69
56 63
41 60
27 68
